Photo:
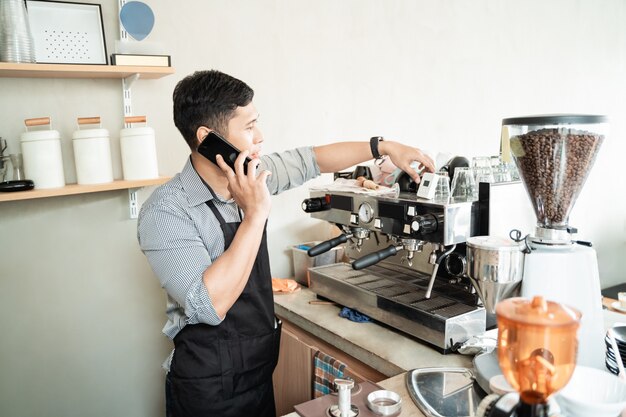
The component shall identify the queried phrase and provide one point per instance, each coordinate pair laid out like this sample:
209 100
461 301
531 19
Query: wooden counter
390 352
371 351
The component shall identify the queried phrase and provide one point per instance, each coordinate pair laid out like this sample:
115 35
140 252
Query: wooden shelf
8 69
73 189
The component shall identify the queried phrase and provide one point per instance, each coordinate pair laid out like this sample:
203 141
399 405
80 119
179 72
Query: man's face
243 131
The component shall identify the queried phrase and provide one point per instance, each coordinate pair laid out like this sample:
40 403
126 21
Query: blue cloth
353 315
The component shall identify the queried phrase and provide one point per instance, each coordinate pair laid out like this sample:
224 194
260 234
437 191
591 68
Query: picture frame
67 33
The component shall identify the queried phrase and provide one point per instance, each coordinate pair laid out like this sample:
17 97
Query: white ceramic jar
138 147
41 151
92 154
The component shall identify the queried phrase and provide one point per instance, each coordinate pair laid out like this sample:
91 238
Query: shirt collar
197 192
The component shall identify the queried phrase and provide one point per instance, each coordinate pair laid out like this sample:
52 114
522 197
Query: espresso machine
394 245
554 154
408 258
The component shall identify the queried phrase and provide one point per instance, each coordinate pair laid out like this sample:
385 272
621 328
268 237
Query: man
203 233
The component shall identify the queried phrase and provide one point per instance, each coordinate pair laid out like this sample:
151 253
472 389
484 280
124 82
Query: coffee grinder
537 354
554 154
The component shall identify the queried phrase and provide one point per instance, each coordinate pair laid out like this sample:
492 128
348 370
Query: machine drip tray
392 298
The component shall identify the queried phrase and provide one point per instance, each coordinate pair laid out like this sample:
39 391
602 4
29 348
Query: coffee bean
554 164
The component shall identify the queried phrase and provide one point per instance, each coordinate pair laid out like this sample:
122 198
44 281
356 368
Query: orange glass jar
537 346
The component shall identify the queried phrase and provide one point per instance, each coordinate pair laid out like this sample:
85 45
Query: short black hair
208 98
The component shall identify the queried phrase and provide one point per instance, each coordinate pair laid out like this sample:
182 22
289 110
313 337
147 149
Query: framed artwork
67 33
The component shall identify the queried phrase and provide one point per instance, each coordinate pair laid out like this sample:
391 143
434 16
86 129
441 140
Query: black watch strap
374 140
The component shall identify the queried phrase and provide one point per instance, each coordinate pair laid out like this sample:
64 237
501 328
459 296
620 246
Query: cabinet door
293 373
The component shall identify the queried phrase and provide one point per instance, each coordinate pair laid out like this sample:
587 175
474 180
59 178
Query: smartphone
214 144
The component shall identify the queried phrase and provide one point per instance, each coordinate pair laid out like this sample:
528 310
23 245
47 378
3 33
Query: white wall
82 311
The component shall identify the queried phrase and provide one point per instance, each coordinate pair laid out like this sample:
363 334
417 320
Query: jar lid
493 243
40 135
556 119
90 134
537 312
137 131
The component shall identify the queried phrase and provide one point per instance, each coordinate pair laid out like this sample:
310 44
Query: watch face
366 213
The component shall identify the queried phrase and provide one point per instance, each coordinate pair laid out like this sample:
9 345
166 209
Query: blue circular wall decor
137 18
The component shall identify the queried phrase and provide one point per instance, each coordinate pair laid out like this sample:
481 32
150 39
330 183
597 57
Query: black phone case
214 144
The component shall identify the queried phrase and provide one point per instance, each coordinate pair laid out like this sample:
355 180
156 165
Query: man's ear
201 133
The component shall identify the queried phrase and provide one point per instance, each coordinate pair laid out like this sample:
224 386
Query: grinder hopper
554 154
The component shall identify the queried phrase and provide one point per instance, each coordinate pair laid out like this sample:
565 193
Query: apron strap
212 205
216 212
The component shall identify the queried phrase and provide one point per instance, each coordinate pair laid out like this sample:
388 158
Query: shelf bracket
133 203
128 81
127 97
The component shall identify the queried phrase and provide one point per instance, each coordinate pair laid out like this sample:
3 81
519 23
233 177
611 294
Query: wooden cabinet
293 377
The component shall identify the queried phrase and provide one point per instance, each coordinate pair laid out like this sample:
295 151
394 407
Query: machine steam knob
312 205
423 224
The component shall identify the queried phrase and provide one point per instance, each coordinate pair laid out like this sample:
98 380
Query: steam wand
435 269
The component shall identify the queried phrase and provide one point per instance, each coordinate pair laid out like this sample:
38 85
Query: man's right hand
249 191
226 278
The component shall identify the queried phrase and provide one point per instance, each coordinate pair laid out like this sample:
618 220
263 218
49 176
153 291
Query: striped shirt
181 237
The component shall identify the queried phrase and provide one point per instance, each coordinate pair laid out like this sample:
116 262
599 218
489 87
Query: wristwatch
374 140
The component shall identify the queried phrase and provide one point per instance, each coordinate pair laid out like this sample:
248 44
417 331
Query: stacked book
141 60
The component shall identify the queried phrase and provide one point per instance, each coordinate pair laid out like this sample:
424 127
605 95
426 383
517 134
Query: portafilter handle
375 257
328 245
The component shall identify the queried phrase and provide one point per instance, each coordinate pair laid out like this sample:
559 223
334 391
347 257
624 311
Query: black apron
226 370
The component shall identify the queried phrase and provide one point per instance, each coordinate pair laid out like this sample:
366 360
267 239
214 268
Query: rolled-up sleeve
171 242
290 168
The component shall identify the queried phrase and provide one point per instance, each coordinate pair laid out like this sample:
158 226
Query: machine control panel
409 220
406 216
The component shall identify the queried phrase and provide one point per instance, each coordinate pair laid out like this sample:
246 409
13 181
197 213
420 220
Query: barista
204 234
